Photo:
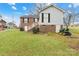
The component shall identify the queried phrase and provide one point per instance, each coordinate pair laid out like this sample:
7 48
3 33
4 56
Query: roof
2 21
53 6
28 16
11 23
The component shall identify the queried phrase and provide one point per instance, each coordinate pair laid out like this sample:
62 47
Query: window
27 20
23 20
42 17
33 19
48 17
37 19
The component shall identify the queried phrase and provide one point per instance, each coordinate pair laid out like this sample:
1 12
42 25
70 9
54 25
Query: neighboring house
50 19
2 24
11 25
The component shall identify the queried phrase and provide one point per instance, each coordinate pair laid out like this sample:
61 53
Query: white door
25 28
58 27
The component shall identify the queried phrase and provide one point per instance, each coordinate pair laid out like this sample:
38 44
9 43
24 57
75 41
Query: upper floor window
33 19
23 20
48 17
42 17
27 20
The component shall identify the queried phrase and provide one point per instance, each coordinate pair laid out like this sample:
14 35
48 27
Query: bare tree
68 19
76 17
39 7
0 17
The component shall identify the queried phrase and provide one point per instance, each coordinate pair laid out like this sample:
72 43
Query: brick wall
47 28
21 22
1 28
30 21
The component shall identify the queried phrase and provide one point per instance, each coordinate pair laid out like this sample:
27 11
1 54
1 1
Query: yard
13 43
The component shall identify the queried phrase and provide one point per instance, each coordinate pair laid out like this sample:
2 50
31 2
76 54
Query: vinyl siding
56 17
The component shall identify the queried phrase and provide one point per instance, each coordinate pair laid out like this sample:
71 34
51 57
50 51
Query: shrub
67 29
21 29
35 30
62 30
65 32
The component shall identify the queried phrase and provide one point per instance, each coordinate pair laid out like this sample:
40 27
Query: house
11 25
2 24
50 20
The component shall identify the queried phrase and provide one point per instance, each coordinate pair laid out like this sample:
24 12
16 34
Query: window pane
33 19
48 17
25 20
42 17
28 20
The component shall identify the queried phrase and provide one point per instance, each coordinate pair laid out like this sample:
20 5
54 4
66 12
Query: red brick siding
47 28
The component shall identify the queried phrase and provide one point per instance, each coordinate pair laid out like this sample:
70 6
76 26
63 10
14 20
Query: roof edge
53 6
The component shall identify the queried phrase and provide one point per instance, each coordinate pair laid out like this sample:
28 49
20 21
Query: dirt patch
75 37
74 47
73 42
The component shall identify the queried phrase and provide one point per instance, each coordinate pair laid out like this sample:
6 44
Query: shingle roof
2 20
28 16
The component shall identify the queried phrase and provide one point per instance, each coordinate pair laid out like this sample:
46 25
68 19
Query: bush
21 29
67 29
35 30
65 32
62 31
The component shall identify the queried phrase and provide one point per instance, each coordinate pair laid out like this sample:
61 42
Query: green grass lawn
13 42
74 29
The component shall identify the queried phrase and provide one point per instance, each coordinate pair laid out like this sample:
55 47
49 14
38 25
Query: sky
13 11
